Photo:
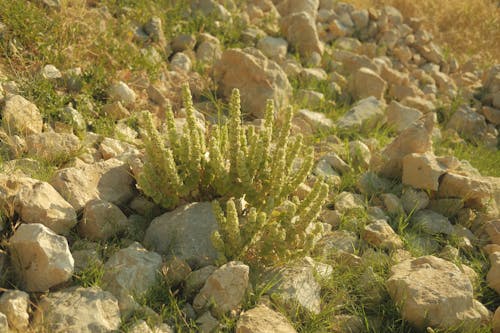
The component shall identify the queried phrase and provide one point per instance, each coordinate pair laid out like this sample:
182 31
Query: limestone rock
364 115
258 79
273 47
37 202
493 230
131 271
4 324
467 122
261 319
185 233
296 286
122 93
196 280
431 222
78 310
41 258
101 220
300 31
316 120
493 277
401 117
346 201
336 241
52 146
496 321
20 116
434 292
422 171
15 304
414 200
477 192
287 7
380 234
225 287
415 139
108 180
365 83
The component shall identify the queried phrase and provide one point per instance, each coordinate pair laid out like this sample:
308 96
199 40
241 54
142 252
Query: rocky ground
404 134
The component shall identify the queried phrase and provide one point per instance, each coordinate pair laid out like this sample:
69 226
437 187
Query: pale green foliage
261 165
264 166
286 232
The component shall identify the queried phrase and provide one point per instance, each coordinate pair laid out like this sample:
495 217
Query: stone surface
101 220
185 233
52 146
196 280
273 47
122 93
296 286
493 230
257 78
496 321
78 310
477 192
364 115
131 271
37 202
422 171
108 180
414 200
20 116
261 319
434 292
224 289
346 201
317 120
431 222
15 304
380 234
467 122
493 276
300 31
400 116
41 258
415 139
365 83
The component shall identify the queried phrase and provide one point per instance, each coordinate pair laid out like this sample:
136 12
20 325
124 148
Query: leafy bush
264 166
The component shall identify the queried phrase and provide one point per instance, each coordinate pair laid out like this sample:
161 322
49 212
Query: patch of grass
92 275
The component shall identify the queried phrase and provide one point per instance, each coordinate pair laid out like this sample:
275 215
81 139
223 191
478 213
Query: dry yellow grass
464 27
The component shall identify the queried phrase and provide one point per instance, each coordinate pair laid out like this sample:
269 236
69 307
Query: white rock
4 324
493 277
300 30
37 202
15 304
41 258
414 200
273 47
51 72
261 319
296 286
366 114
422 171
185 233
20 116
434 292
121 92
78 310
365 83
401 117
108 180
181 62
346 201
380 234
224 289
131 271
431 222
317 120
257 78
101 220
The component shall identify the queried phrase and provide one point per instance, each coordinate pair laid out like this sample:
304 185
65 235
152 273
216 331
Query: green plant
264 167
285 233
